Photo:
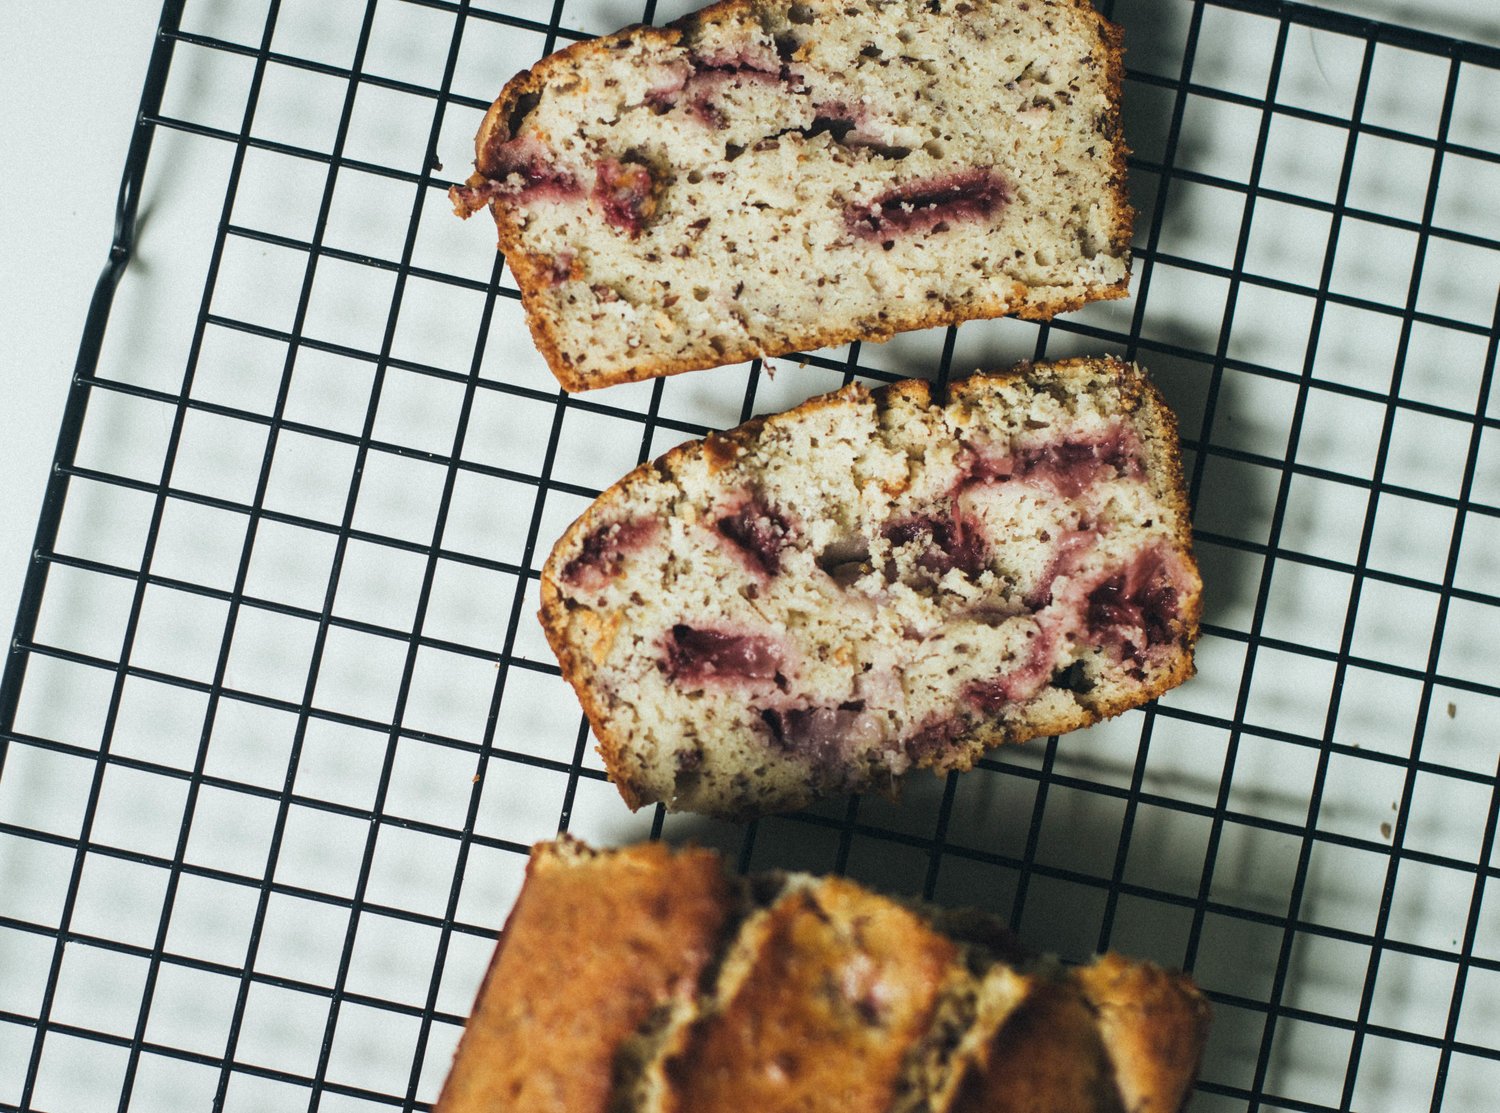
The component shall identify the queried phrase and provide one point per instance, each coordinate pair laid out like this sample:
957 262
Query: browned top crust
536 272
1046 1058
1153 1024
645 981
834 986
594 946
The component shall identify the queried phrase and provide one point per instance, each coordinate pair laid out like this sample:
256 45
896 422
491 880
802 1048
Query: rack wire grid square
279 724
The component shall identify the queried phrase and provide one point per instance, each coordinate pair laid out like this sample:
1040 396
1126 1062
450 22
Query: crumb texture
823 600
695 991
765 176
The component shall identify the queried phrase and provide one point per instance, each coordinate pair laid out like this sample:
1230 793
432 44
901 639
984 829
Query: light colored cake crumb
822 600
767 177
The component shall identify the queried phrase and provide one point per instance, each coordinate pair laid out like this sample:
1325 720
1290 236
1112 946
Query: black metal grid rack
277 725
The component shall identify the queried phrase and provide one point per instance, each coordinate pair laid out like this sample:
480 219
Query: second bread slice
821 600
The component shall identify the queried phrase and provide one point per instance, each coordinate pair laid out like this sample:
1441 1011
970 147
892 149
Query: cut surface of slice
767 176
822 600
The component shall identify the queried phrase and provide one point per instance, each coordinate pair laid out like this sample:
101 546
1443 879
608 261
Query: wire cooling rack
278 723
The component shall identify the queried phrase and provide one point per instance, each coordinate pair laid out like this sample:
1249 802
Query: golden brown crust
574 668
1047 1057
1115 1036
1153 1024
530 274
532 271
839 984
1139 393
1112 38
631 979
594 945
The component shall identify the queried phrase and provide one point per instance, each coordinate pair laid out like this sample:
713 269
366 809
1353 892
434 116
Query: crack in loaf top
766 177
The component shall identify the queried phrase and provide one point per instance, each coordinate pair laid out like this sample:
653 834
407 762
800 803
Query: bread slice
820 995
819 601
768 176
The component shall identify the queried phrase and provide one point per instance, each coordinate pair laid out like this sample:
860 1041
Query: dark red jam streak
817 732
697 83
698 656
1067 554
603 553
1024 681
1130 611
1137 608
933 738
1068 467
561 268
920 205
624 193
524 168
948 541
758 534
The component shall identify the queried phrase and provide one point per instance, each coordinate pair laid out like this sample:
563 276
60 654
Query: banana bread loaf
821 600
769 176
672 988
